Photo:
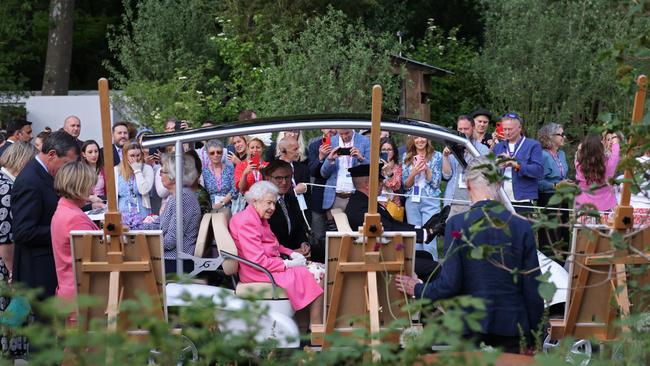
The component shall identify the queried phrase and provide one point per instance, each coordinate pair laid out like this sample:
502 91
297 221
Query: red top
251 178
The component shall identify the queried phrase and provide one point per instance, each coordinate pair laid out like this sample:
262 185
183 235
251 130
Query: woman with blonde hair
12 161
421 176
74 183
134 180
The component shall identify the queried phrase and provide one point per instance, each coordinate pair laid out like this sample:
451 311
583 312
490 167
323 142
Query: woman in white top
134 182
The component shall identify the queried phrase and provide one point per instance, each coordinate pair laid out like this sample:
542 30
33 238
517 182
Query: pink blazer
255 241
68 216
604 197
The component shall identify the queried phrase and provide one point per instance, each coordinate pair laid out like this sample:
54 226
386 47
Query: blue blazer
330 171
529 157
33 202
510 302
552 172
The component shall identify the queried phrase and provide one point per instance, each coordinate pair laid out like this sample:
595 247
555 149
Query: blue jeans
417 214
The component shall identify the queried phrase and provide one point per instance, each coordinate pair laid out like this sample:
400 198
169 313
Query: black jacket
116 156
278 223
358 206
33 202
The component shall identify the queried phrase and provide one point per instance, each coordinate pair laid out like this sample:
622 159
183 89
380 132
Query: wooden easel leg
337 289
373 311
113 306
578 287
150 276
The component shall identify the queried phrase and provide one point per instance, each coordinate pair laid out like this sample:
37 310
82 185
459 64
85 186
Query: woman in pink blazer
255 242
74 182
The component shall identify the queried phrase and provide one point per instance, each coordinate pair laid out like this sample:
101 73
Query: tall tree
56 78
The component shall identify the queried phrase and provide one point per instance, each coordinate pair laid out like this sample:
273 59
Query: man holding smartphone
349 149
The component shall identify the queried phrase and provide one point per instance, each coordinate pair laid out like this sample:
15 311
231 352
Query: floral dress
129 199
219 186
11 347
5 209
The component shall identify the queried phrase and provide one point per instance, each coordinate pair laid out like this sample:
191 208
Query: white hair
189 169
259 190
477 172
301 146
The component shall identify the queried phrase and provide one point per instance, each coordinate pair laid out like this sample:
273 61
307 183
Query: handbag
397 212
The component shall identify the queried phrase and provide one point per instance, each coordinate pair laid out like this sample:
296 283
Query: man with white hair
503 273
524 163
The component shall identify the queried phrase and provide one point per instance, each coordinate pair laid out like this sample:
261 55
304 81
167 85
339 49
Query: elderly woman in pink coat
74 183
255 241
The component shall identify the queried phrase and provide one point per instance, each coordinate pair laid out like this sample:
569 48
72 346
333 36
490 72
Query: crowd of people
281 194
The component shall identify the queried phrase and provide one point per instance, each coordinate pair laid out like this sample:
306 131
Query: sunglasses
218 152
512 115
560 134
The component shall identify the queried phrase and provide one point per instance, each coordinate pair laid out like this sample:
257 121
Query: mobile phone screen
343 151
383 156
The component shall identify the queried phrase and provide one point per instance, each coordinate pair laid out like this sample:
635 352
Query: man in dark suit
33 202
358 205
17 130
512 301
287 222
120 137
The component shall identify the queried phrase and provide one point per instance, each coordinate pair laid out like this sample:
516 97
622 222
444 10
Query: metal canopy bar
399 125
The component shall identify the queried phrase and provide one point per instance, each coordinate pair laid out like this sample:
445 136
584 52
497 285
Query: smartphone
383 156
326 140
177 126
344 151
153 150
499 129
255 160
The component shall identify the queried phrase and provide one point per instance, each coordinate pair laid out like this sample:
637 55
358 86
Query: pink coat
603 198
68 216
255 241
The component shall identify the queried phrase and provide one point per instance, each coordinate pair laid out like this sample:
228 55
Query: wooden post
624 215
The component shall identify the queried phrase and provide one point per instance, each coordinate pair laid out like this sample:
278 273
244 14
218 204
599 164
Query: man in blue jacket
349 149
523 165
505 279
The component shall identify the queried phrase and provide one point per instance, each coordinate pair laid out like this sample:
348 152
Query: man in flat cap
358 205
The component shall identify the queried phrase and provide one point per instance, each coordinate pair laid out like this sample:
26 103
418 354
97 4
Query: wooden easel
600 272
111 264
371 262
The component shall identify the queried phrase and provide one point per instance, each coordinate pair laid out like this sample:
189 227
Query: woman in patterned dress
421 176
12 161
218 177
134 182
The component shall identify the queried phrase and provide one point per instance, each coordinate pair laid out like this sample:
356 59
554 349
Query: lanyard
217 179
518 146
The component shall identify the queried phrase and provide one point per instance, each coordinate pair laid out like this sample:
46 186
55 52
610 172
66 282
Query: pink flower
377 246
456 234
399 246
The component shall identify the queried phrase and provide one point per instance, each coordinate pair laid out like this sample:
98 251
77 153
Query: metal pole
178 155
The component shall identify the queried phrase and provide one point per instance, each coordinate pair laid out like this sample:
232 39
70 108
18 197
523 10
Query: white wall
52 110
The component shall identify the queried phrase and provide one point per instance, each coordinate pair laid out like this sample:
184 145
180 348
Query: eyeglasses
217 152
162 171
281 178
560 134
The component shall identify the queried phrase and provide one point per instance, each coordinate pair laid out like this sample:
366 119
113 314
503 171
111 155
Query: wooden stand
370 267
113 265
600 272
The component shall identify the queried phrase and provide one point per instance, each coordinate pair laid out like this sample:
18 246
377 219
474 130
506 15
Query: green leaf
477 252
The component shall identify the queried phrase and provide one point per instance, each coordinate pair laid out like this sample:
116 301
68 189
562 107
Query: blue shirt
555 170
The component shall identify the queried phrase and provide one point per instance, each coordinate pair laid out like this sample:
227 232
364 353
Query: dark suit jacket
5 146
314 165
509 303
278 223
358 206
116 156
33 202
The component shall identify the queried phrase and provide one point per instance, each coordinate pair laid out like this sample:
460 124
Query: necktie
283 206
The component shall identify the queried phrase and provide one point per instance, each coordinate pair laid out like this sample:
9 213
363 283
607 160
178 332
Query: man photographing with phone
348 149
